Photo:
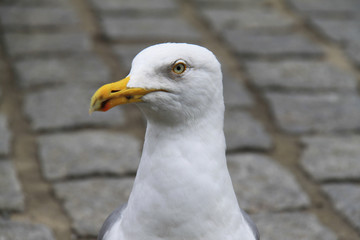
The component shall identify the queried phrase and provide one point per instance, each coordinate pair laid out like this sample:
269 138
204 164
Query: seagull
182 188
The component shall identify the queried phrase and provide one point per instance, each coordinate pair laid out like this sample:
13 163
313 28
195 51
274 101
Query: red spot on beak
105 105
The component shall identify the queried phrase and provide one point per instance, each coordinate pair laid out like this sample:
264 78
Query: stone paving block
89 202
329 158
263 185
135 5
235 94
346 198
126 53
249 43
353 52
40 43
80 69
301 75
2 72
14 16
340 30
11 196
242 131
231 3
150 28
294 225
67 107
89 152
316 6
247 18
5 136
11 230
303 113
36 3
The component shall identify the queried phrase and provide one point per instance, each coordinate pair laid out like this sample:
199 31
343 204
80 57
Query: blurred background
292 123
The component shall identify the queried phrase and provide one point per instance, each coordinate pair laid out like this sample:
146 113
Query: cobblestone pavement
291 75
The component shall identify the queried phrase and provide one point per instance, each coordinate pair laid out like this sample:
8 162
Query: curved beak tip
116 93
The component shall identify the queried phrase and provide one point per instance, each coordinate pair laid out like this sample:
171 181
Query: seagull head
172 82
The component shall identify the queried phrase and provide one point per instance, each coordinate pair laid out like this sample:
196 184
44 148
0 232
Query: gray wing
110 220
251 224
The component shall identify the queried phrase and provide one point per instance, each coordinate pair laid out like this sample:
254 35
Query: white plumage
182 188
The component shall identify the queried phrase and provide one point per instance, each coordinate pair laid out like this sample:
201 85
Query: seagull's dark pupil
179 68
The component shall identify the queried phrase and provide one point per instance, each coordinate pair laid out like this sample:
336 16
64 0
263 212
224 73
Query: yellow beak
113 94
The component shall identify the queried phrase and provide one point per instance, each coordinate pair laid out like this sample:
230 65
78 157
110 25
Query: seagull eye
179 68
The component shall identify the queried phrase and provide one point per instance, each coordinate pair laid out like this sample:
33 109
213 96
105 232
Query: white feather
182 188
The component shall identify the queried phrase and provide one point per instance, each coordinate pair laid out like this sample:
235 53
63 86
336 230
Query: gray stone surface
301 75
318 6
340 30
231 3
11 230
15 16
294 226
40 43
353 52
235 93
4 73
11 196
89 152
5 136
248 43
242 131
89 202
80 69
36 3
127 52
263 185
330 157
135 5
156 29
346 198
247 18
301 113
67 107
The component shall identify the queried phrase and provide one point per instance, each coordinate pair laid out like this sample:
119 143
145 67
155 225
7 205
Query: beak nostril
115 91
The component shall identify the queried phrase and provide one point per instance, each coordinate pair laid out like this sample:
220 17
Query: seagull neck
183 179
199 142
